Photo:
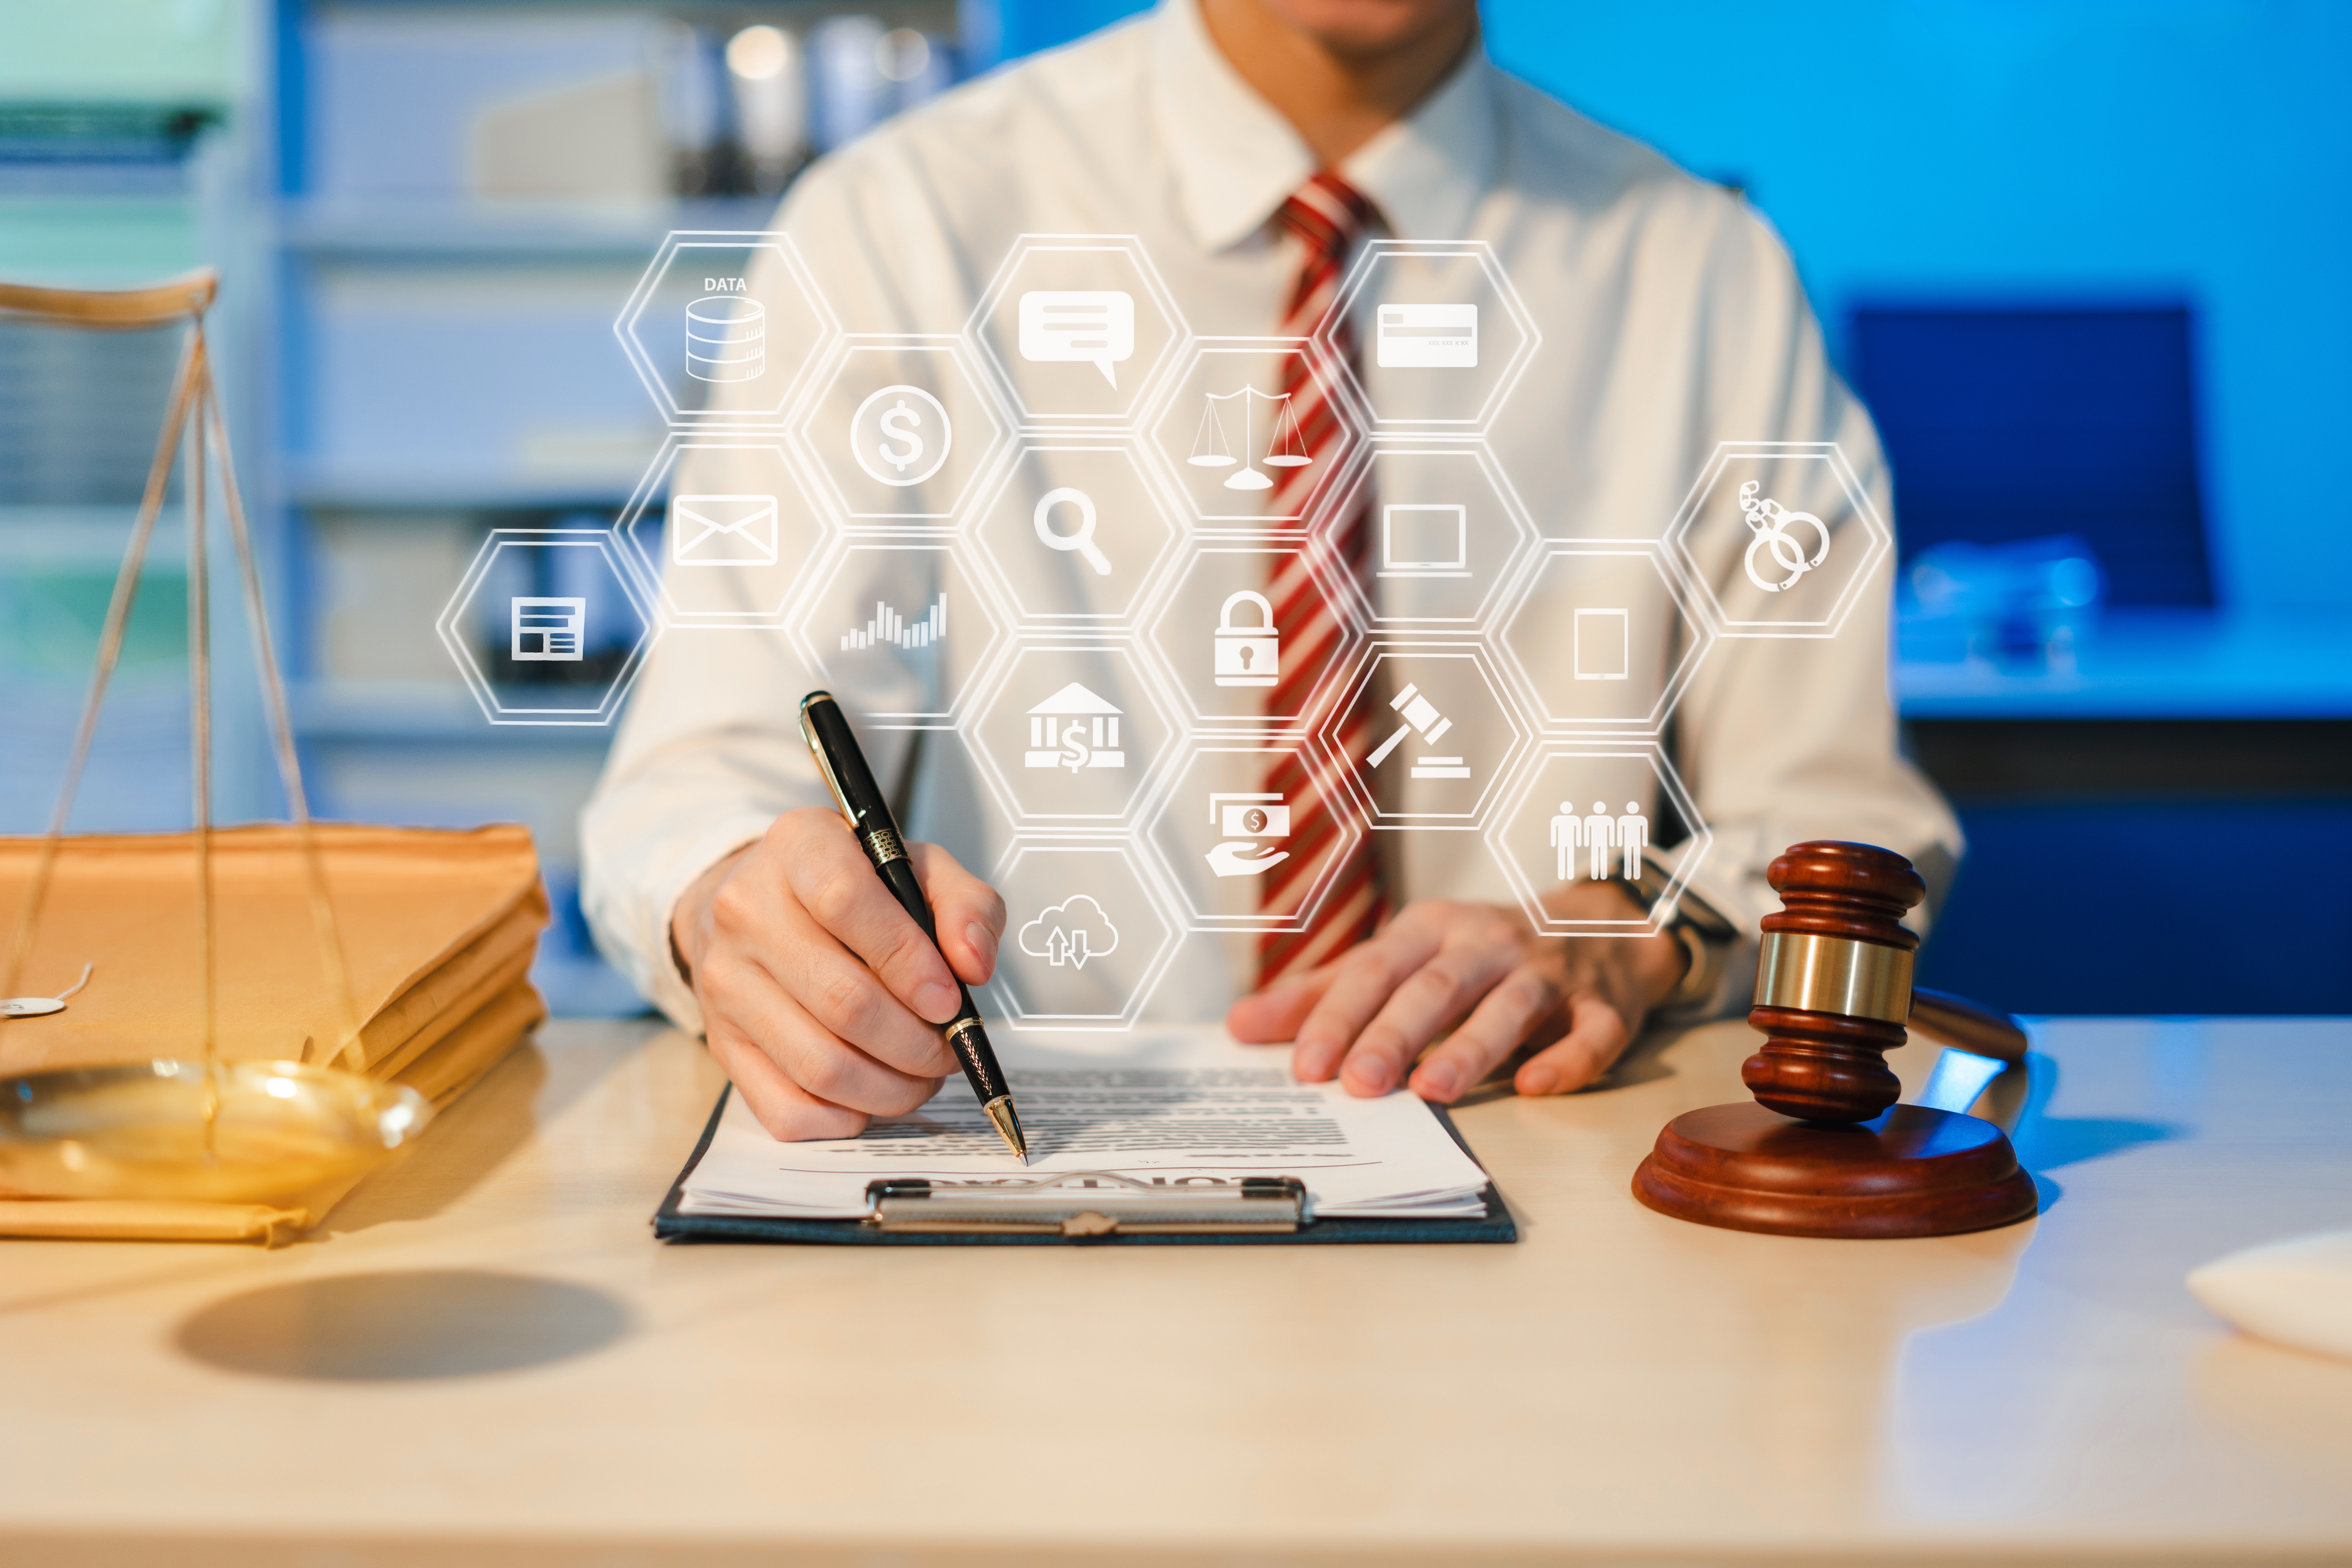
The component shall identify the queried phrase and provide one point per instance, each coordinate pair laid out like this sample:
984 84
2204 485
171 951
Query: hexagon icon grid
1782 537
1077 531
1447 531
1071 734
900 428
1075 328
1270 857
735 548
1214 632
546 626
1227 435
1086 940
899 629
1440 740
1602 636
1441 337
724 326
1543 837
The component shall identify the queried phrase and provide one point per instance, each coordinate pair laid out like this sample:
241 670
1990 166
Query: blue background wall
2057 151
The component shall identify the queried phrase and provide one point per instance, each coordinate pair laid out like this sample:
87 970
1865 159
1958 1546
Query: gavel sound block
1824 1150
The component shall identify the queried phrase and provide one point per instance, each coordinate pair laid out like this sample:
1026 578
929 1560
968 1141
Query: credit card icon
1428 337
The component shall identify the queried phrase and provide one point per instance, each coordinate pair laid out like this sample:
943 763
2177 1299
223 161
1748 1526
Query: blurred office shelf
446 230
396 710
351 487
2158 664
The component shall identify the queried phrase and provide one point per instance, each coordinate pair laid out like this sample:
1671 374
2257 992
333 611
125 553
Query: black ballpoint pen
838 758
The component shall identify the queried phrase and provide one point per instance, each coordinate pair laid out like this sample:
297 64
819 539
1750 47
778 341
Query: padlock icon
1247 656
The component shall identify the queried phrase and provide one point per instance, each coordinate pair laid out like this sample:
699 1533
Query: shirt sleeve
1784 738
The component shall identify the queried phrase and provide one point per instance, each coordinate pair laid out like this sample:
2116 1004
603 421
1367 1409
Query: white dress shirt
1670 321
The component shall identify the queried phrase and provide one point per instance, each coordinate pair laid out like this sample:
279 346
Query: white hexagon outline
1678 680
1321 565
1174 933
988 684
447 625
641 359
1000 478
1320 767
1343 493
1523 782
1367 658
1359 274
1882 538
836 361
828 564
653 577
1140 401
1164 407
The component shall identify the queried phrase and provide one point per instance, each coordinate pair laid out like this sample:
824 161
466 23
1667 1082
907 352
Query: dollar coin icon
900 436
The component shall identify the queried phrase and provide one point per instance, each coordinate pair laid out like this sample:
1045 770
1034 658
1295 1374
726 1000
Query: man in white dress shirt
1254 147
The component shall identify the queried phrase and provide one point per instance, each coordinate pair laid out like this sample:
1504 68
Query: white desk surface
1618 1387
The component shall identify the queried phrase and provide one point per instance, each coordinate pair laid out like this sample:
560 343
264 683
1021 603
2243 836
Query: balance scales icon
1284 449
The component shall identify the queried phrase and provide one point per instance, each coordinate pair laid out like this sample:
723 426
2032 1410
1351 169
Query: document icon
1428 337
723 531
546 631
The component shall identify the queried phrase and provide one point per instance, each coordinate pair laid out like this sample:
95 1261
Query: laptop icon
1420 540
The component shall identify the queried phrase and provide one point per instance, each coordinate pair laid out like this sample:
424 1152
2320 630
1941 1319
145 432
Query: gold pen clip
823 763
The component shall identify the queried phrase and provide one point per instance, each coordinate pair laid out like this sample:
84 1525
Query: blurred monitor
2012 424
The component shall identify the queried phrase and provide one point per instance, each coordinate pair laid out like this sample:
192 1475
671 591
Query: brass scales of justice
192 1128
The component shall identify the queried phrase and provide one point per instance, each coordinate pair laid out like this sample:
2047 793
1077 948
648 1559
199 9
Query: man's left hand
1484 971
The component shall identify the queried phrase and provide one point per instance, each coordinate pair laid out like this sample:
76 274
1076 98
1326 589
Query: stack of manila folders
437 930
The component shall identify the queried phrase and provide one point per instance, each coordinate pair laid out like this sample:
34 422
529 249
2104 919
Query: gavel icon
1824 1150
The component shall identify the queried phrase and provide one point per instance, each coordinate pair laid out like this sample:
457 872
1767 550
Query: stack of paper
437 931
1157 1105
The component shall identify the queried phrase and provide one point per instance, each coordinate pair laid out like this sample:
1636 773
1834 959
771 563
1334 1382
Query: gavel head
1834 981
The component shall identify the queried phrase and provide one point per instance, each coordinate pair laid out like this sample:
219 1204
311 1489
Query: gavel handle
1957 1021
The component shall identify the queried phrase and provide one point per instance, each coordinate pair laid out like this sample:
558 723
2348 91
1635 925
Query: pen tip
1007 1122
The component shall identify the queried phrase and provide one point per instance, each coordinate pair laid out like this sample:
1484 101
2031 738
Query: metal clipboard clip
1080 1203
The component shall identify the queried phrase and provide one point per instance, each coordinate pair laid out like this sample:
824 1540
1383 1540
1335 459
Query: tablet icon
723 531
900 436
1603 645
1428 337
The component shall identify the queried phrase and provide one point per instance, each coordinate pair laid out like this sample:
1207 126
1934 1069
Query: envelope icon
723 530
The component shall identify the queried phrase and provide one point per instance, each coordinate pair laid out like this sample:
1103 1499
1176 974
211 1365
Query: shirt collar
1236 159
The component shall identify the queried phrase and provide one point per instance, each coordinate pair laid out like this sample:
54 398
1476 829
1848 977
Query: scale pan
138 1131
1286 462
1211 461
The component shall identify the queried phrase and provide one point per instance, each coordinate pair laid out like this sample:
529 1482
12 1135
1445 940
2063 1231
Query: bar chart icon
887 627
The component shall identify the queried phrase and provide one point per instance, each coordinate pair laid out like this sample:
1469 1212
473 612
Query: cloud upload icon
1070 932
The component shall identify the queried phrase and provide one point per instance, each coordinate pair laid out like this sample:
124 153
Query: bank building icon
1074 729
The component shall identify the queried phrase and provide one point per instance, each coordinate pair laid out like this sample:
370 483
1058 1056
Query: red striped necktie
1326 216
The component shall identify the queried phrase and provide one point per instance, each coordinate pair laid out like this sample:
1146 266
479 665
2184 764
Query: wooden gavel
1833 990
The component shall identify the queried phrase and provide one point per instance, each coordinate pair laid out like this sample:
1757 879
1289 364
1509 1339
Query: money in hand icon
900 436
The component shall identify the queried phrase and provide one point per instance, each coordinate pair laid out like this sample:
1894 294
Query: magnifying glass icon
1083 542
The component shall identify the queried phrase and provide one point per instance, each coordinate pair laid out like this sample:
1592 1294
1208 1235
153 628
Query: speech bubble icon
1062 325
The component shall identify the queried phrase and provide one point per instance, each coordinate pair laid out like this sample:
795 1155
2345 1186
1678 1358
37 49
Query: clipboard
1079 1208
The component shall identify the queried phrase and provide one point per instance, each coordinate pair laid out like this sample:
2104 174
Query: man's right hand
820 996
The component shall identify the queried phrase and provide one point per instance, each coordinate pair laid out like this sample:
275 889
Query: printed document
1160 1105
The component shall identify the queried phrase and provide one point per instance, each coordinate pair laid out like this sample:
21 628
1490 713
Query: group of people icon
1597 834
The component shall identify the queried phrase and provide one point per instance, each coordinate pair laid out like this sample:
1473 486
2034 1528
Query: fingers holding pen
969 913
